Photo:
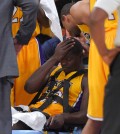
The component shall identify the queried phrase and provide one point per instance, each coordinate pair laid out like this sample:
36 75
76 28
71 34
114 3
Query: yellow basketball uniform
75 93
28 61
46 31
98 70
85 30
17 18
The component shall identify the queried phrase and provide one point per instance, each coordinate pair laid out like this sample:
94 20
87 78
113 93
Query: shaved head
80 11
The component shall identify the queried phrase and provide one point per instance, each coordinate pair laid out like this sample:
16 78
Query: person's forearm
40 77
41 17
29 8
37 80
75 118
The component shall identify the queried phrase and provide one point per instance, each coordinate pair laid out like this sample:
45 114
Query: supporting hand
56 122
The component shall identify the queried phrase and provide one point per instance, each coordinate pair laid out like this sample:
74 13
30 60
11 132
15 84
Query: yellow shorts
97 76
28 61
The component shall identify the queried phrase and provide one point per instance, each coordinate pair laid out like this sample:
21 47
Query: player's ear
63 18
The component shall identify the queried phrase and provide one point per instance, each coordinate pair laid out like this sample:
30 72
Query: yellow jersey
17 18
75 93
111 22
98 70
28 61
85 30
46 31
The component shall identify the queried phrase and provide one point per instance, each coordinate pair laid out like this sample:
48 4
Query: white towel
50 10
35 120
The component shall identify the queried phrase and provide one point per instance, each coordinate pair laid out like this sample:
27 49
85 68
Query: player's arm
40 77
100 12
41 17
79 117
29 8
97 20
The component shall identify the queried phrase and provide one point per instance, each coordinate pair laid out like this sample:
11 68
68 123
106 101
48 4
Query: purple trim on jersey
78 104
42 59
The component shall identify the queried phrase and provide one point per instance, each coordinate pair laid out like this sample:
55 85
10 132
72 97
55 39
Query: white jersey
109 6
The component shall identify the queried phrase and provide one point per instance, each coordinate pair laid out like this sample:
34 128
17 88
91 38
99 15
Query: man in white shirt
102 10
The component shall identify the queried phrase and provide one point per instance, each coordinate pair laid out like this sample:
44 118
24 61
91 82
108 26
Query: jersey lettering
16 19
111 17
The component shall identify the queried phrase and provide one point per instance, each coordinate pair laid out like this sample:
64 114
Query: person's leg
92 127
5 108
111 123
